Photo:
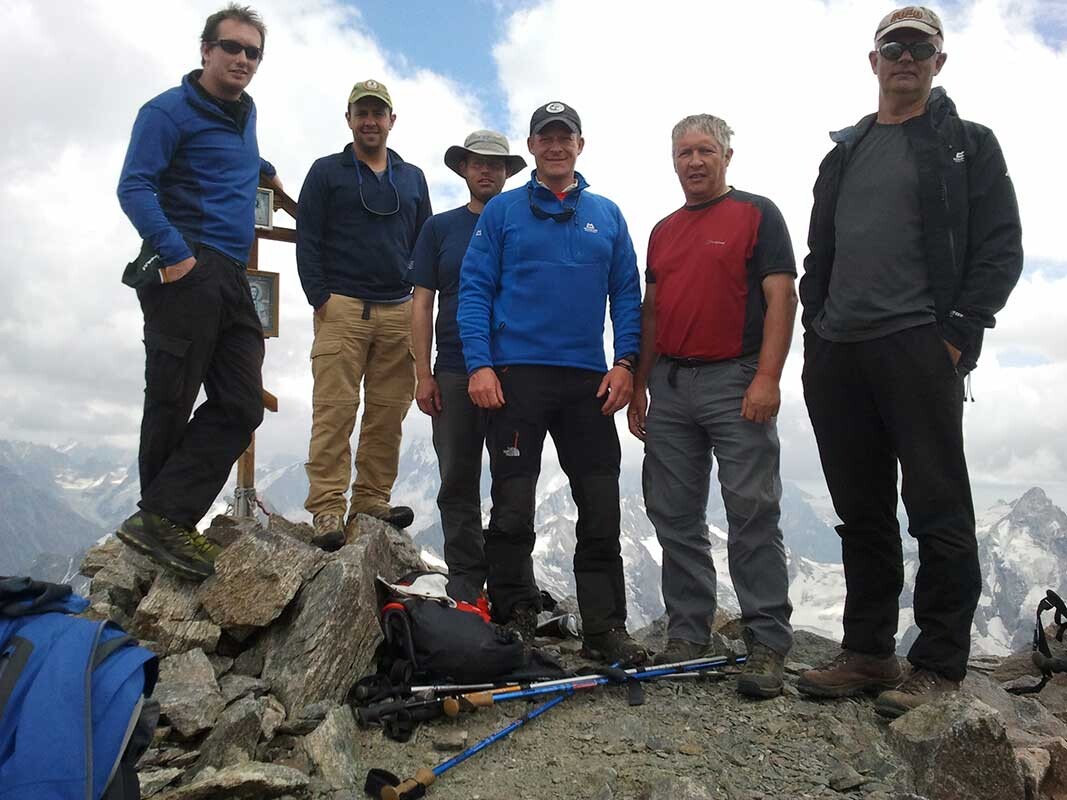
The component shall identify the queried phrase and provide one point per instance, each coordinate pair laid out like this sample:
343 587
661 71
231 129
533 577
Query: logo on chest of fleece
590 228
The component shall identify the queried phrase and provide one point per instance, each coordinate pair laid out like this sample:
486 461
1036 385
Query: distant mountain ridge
57 501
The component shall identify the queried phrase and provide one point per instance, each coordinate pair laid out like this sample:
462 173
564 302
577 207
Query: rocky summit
256 663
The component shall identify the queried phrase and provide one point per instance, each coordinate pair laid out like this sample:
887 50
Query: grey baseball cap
484 143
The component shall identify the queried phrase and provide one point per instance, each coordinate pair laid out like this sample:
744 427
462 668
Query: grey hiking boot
761 677
329 532
179 549
851 673
679 650
921 687
523 623
615 645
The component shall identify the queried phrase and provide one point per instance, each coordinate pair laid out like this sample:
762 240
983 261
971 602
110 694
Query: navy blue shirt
438 255
341 247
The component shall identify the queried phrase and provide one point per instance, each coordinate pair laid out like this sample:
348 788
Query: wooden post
244 496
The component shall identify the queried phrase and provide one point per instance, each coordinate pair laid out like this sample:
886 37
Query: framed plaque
264 288
265 208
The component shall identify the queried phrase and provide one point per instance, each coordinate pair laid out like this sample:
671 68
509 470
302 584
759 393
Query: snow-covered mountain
55 502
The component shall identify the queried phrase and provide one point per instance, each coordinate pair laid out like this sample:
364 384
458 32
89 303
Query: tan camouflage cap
919 18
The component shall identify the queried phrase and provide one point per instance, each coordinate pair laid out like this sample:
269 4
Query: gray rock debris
957 747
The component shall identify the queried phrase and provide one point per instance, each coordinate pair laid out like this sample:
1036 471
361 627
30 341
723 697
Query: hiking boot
851 673
615 645
397 516
761 677
679 650
329 532
523 623
921 687
178 549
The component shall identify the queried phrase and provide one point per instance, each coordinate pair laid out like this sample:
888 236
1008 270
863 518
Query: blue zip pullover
190 175
534 291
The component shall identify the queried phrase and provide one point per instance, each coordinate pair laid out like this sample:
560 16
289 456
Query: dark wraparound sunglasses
556 216
234 47
920 51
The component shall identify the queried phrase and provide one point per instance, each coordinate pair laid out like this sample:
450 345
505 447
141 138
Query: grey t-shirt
879 284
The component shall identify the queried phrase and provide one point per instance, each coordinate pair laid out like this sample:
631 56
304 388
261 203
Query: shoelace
919 682
200 542
759 658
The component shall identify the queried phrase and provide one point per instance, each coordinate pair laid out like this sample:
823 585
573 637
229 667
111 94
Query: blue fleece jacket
190 175
534 291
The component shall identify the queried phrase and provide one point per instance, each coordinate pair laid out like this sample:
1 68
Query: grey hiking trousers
689 422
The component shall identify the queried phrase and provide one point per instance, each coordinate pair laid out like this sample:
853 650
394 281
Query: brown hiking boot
851 673
761 677
614 646
921 687
329 532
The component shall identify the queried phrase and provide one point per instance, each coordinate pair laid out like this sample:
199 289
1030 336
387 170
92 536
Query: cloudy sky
781 73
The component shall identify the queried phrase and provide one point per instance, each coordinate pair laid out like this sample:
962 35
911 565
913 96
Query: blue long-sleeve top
342 245
535 291
191 173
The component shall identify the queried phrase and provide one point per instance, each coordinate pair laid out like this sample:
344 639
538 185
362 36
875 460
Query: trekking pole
391 788
453 706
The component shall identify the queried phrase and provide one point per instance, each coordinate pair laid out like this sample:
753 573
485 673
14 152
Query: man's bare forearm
781 297
648 355
422 329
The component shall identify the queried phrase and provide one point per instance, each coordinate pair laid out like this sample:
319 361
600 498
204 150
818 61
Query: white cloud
72 77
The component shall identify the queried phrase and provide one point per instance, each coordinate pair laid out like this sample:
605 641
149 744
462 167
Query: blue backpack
74 713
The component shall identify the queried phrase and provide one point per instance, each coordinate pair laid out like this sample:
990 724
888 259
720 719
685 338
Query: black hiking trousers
873 404
201 330
562 402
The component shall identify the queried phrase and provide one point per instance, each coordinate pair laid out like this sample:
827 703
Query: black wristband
626 365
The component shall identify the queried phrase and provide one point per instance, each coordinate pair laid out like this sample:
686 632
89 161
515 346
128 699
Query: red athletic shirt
708 263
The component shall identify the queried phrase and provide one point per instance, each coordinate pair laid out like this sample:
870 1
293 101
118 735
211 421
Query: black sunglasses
920 51
234 47
556 216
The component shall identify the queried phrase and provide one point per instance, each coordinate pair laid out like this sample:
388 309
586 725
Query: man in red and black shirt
715 330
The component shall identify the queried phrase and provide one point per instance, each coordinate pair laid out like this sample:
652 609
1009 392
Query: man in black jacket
915 244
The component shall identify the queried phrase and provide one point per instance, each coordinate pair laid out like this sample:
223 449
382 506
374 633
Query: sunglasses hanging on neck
566 214
389 177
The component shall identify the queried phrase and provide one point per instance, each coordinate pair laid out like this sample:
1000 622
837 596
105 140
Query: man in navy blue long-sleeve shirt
189 186
359 214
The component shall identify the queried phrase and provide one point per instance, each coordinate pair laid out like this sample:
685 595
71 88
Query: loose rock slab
332 748
251 781
957 747
256 577
170 615
188 693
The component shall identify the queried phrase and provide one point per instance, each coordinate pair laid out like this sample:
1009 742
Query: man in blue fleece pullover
188 186
543 262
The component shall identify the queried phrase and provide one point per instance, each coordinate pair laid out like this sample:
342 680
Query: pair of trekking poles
454 700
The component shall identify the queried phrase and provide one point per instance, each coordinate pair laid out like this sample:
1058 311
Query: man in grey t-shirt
915 245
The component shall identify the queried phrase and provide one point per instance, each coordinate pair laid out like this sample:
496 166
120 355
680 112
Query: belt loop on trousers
366 310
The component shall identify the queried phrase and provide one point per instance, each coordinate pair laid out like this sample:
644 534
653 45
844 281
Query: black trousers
199 331
458 439
873 404
561 402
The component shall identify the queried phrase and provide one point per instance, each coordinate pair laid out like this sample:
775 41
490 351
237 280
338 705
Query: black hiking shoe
397 516
615 645
762 675
523 623
180 550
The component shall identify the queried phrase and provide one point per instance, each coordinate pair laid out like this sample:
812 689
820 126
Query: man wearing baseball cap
359 213
915 244
543 264
485 162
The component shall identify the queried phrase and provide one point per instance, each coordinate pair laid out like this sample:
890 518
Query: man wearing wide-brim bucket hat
485 161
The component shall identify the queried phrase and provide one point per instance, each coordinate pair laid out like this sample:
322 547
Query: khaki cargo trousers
358 342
